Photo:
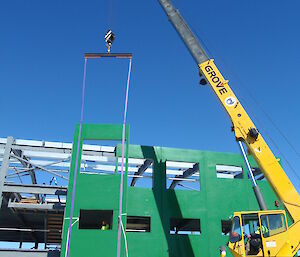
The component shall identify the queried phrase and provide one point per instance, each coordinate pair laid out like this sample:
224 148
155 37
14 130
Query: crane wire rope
111 17
110 10
260 107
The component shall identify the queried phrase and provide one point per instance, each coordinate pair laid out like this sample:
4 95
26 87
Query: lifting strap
129 56
122 163
67 252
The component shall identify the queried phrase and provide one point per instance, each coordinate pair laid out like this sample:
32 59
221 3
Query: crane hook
109 38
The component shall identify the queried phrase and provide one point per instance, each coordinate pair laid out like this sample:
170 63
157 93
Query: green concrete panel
217 199
94 192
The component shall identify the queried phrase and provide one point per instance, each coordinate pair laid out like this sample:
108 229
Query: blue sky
255 45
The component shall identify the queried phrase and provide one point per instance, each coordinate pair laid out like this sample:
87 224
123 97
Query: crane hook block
109 39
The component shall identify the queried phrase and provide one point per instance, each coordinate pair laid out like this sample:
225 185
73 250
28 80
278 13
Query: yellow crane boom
246 131
279 240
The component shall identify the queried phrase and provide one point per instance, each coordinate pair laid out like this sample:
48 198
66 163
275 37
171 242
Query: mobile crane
253 233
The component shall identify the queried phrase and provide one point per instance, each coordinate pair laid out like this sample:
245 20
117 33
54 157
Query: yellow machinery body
281 241
258 233
277 241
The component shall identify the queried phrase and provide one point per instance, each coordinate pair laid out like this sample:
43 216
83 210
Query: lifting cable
120 226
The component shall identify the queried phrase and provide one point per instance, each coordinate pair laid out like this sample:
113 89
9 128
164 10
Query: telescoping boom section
257 233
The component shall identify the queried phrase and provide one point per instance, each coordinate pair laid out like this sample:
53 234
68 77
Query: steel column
5 165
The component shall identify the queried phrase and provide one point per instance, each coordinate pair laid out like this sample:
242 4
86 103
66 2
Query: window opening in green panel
95 219
182 175
226 227
99 157
258 175
140 173
138 224
180 226
229 171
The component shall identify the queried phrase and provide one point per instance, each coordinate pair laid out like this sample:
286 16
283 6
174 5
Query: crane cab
261 233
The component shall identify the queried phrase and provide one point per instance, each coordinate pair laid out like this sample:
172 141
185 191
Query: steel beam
187 173
5 165
101 55
34 189
140 171
36 206
28 253
25 164
41 167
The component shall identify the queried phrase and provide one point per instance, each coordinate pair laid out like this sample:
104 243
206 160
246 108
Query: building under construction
102 196
176 202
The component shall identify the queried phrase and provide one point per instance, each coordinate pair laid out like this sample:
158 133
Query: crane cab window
250 224
273 224
235 234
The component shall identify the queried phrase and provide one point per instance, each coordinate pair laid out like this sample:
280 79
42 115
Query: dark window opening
138 224
95 219
258 175
185 226
226 227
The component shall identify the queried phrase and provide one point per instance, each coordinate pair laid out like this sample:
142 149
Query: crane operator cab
257 233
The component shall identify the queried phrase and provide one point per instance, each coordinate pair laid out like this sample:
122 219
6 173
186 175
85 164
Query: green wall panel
216 200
